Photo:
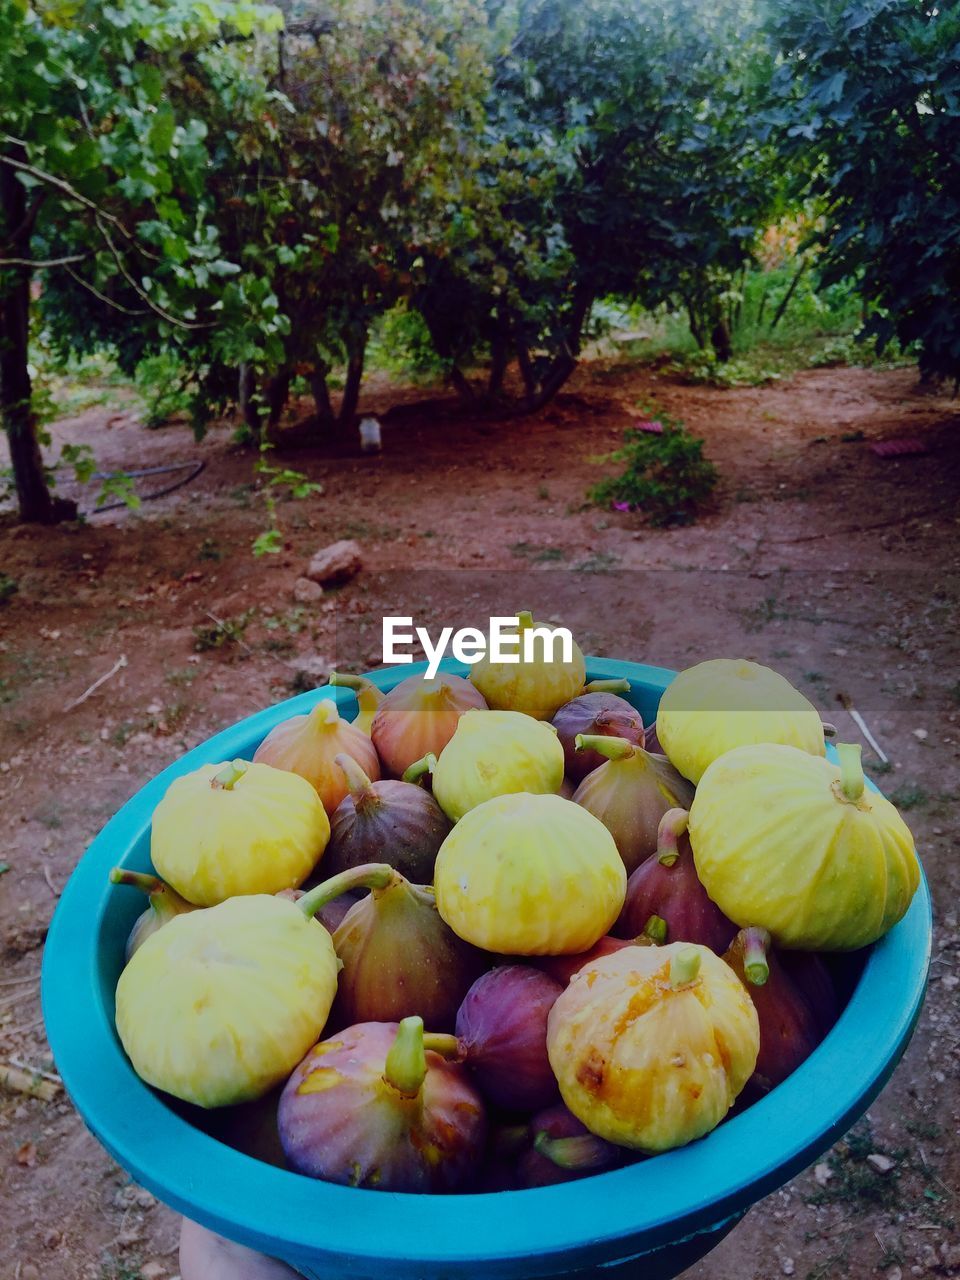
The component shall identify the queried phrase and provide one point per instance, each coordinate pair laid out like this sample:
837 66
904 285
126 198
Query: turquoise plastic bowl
666 1212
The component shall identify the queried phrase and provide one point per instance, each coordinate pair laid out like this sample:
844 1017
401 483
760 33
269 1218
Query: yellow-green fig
220 1005
537 686
652 1045
798 846
237 828
529 875
495 753
730 702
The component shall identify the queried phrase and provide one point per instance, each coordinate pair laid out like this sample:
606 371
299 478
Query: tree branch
42 265
117 306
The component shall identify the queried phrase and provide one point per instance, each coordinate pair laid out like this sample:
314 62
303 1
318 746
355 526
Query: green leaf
270 542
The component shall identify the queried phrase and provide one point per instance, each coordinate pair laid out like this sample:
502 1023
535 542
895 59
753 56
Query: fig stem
607 686
369 875
138 879
325 714
406 1066
656 929
585 1151
612 748
369 697
525 619
851 770
415 771
672 826
684 967
361 788
227 778
438 1042
755 965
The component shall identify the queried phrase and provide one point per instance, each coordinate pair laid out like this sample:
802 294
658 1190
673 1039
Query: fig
529 875
419 716
220 1005
562 968
164 904
715 706
373 1107
396 822
812 979
495 753
537 687
630 793
789 1028
798 846
563 1149
592 713
308 745
651 742
399 956
667 886
501 1035
237 828
652 1045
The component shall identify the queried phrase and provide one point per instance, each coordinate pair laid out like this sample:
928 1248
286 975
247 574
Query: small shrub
666 475
163 385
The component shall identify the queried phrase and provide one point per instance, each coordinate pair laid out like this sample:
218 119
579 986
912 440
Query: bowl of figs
574 959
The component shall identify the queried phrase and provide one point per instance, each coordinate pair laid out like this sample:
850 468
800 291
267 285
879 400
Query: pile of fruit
537 939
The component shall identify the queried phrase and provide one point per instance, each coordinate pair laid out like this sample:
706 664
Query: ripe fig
419 716
237 828
373 1108
562 968
630 793
667 886
595 712
397 822
563 1149
495 753
789 1028
538 686
309 745
398 956
164 904
812 978
501 1034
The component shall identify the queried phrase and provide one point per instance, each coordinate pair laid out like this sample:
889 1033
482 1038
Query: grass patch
909 795
537 554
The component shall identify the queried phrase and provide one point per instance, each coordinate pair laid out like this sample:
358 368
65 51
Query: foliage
867 99
400 343
666 475
164 387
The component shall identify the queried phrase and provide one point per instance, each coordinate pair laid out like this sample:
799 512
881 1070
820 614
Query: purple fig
811 977
562 1149
651 742
164 904
501 1034
667 886
400 958
374 1107
630 793
562 968
397 822
597 712
789 1031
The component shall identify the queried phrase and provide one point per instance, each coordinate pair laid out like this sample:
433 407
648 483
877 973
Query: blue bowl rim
627 1212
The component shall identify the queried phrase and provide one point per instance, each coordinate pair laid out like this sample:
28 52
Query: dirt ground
838 567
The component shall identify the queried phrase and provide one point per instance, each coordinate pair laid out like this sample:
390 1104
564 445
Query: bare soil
838 567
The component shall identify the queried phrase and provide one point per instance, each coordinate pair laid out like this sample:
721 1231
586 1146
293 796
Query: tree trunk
321 395
278 392
778 316
721 341
37 504
247 401
462 385
351 390
499 354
